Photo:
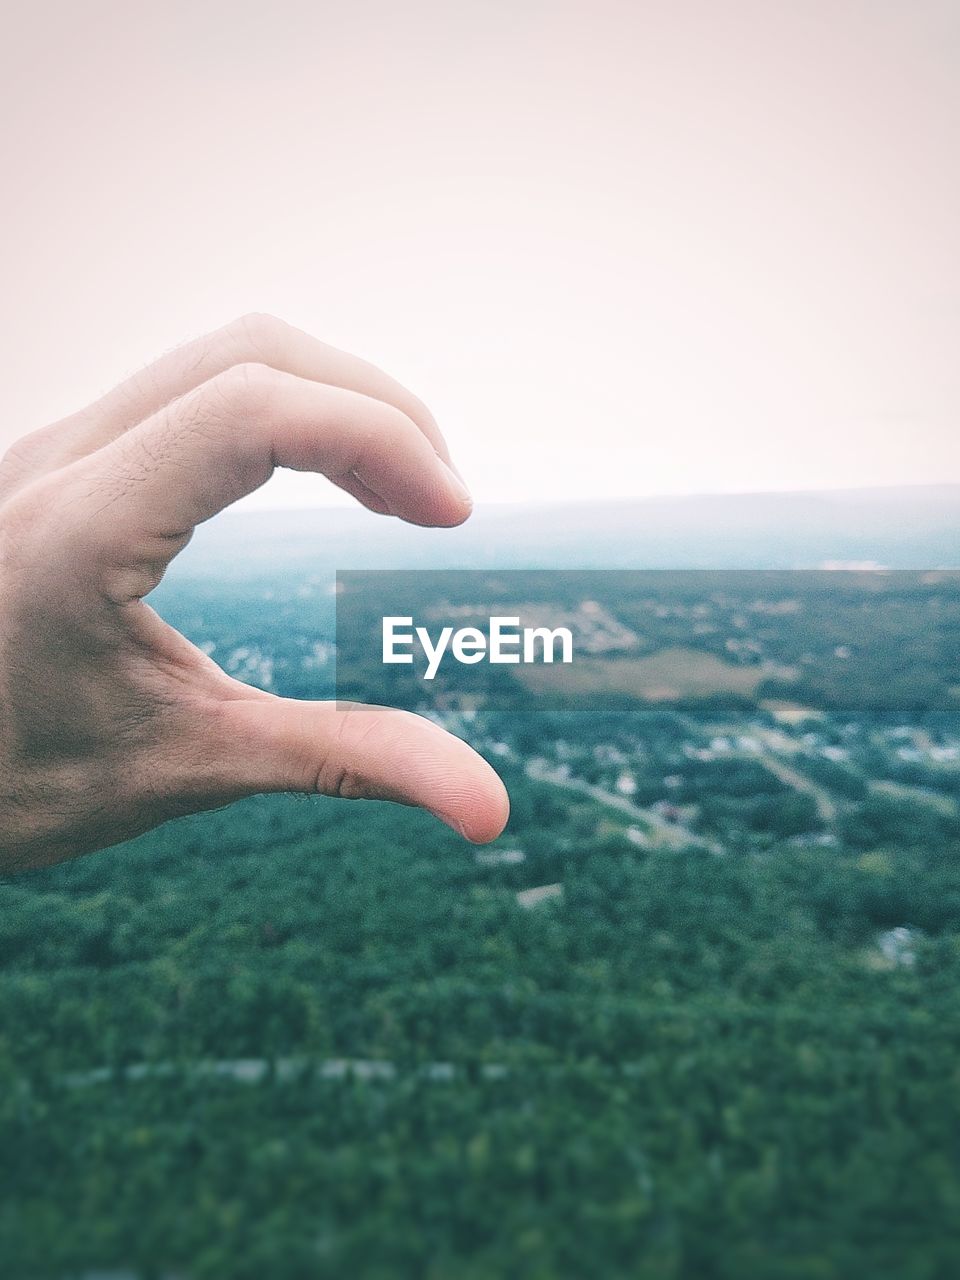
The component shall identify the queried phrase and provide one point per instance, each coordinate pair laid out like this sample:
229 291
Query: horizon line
696 495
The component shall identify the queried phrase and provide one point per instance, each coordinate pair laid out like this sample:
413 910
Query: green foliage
697 1069
729 1050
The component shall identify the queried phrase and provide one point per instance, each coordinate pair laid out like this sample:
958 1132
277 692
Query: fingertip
445 516
483 816
440 501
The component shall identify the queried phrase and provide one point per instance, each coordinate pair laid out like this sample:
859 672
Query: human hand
111 721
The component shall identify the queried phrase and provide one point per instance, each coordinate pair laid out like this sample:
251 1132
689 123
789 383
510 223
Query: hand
110 721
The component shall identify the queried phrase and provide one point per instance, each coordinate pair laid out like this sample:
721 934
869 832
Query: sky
620 248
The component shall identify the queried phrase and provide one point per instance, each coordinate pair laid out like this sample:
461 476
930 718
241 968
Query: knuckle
244 389
25 527
264 336
26 450
25 457
28 508
336 778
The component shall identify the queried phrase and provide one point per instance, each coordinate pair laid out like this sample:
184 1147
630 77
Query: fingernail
455 483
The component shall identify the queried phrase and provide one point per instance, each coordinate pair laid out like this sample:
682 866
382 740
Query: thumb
356 751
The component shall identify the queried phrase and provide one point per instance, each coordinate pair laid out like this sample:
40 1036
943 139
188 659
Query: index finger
252 339
132 505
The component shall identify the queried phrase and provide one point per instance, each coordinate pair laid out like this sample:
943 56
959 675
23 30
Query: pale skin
110 720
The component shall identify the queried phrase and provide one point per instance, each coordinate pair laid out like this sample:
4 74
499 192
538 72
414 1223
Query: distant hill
917 527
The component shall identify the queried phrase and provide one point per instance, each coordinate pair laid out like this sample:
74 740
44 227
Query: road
672 832
826 805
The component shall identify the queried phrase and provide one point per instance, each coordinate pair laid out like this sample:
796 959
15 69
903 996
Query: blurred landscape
910 528
696 1014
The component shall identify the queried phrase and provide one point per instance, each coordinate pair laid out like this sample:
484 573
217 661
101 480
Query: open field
790 713
665 676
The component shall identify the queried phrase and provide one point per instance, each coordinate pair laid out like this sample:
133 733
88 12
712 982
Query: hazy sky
620 248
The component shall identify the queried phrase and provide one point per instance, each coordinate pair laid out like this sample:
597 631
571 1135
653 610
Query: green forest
302 1038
